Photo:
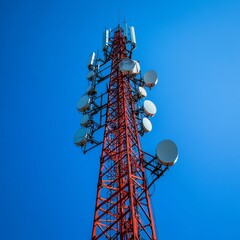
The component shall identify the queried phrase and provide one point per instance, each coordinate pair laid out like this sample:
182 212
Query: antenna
149 108
129 66
147 125
81 136
83 103
91 61
85 120
105 40
167 152
133 36
150 78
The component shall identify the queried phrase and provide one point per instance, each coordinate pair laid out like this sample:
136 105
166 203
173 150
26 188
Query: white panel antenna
91 61
105 40
133 36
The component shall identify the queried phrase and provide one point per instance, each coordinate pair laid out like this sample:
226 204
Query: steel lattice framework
123 209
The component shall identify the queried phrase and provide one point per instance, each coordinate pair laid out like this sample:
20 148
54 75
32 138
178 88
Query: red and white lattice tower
123 209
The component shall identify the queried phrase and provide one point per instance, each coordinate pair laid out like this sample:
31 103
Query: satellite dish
167 152
85 120
83 103
150 78
136 69
149 108
126 65
142 92
129 66
147 125
90 75
91 90
80 137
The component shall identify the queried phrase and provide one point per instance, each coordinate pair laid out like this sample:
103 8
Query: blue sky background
47 185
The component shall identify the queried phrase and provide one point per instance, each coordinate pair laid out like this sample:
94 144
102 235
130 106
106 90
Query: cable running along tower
123 209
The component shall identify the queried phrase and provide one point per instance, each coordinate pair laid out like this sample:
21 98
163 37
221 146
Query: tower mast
123 208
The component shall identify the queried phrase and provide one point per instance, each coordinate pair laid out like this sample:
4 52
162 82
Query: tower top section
128 33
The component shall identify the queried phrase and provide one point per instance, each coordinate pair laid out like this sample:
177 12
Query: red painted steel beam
123 209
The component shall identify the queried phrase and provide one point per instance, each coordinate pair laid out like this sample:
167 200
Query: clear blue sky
47 186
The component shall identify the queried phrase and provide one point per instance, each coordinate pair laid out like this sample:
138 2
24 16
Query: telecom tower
123 209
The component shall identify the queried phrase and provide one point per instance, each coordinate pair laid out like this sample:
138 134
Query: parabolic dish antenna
167 152
83 103
136 69
90 75
149 108
126 65
85 120
142 92
147 125
80 137
91 90
150 78
129 66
